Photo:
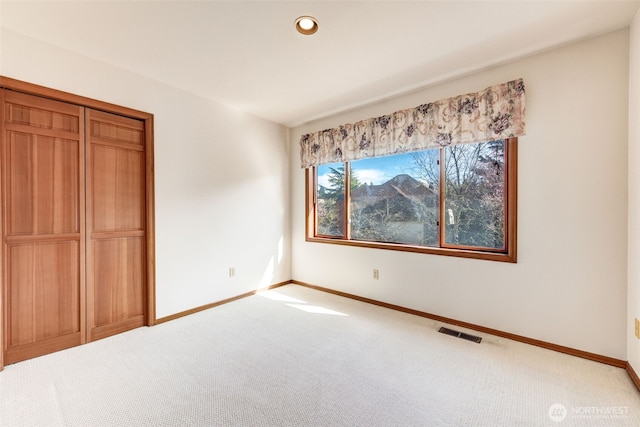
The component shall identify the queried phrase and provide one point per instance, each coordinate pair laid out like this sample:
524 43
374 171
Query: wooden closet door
42 225
116 263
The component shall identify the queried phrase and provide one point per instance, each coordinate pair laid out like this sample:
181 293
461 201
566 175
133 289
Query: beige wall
569 285
633 294
222 177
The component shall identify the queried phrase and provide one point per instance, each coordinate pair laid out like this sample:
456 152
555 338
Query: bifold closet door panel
43 225
116 224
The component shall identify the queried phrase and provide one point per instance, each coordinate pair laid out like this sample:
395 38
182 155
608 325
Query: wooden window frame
508 254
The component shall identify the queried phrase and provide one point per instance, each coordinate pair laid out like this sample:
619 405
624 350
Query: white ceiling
246 54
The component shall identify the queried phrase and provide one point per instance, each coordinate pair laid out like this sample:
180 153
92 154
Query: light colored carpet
294 356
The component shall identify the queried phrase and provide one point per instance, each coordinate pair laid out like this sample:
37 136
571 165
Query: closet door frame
147 118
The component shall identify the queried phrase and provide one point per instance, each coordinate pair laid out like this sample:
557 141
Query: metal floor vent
460 334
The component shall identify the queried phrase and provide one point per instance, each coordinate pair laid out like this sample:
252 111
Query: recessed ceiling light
306 25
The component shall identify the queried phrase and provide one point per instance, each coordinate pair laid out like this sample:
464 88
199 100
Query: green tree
337 180
330 209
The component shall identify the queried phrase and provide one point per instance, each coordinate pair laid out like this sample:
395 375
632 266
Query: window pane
394 200
474 195
330 200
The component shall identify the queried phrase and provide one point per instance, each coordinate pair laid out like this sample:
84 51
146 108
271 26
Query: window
458 200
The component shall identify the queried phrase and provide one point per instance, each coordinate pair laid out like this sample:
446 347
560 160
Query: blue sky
374 171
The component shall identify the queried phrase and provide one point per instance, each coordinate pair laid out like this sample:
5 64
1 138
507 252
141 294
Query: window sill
461 253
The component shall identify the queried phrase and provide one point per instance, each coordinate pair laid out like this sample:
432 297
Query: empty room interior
164 161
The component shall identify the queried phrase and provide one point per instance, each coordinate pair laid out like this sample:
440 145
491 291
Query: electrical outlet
376 274
232 272
637 328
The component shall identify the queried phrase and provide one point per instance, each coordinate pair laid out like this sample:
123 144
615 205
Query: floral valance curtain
494 113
